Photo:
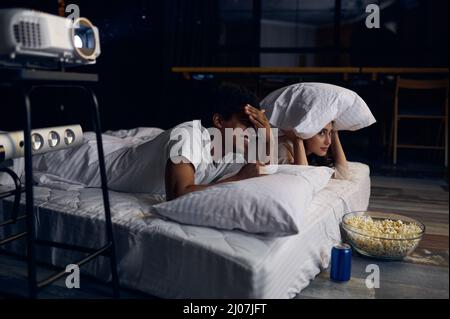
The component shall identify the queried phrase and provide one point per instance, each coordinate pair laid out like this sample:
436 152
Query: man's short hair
229 99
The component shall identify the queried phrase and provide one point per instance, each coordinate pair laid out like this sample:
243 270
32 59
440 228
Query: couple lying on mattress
237 108
149 165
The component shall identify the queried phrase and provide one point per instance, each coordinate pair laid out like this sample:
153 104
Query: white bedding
172 260
272 205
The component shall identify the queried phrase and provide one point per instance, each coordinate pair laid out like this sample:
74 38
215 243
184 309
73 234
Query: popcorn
382 237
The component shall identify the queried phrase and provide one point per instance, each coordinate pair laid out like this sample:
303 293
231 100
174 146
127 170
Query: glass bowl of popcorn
382 235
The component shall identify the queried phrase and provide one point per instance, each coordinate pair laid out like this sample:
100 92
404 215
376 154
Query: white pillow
308 107
272 205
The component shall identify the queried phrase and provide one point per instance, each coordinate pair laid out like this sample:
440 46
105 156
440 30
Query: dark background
142 40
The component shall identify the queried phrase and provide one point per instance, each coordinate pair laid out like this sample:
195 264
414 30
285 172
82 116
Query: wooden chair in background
410 84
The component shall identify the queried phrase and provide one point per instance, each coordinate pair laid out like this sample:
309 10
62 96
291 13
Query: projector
43 140
35 39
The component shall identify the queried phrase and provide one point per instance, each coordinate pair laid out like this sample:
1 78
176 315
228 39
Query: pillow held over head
308 107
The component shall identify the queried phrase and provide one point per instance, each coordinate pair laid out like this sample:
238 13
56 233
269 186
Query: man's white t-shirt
136 164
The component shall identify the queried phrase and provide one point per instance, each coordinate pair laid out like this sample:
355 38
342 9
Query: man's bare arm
180 178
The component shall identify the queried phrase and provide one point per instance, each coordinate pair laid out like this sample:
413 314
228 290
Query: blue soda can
341 262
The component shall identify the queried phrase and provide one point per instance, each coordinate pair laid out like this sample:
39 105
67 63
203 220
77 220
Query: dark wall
419 37
141 40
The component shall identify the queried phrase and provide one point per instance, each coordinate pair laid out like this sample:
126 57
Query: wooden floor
425 274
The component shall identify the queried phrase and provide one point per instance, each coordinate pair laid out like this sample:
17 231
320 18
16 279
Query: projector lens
37 141
84 39
53 139
78 41
69 137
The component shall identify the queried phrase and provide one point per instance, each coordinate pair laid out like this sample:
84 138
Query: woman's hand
291 135
299 152
340 160
335 141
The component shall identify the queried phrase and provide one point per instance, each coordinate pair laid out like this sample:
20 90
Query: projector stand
26 81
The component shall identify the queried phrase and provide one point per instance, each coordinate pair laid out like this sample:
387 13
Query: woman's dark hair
315 160
229 99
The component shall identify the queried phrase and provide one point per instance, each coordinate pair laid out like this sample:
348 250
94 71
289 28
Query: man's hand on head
257 117
259 120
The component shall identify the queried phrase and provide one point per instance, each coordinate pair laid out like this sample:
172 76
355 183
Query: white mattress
171 260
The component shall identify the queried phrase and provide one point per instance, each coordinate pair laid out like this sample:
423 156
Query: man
171 163
235 108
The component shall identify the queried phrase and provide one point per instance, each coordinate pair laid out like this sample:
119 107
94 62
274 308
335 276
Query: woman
323 149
